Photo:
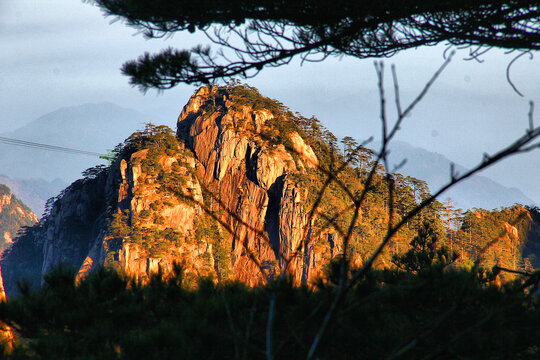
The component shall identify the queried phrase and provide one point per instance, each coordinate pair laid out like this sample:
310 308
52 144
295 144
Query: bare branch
269 327
517 147
396 91
256 34
520 145
508 70
531 117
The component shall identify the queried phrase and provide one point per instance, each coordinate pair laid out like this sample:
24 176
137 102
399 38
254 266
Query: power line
35 145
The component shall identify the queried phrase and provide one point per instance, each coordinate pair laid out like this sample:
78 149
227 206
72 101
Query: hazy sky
57 53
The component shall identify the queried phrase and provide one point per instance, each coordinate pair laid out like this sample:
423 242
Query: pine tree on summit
253 34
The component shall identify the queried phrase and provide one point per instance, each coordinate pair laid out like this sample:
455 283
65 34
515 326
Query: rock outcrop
249 176
228 196
220 199
6 332
14 214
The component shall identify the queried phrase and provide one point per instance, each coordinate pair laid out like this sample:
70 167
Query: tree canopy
249 35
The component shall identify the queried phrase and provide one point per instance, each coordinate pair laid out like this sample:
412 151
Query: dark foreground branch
253 34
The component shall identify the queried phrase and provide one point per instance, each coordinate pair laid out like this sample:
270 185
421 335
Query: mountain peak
244 190
222 124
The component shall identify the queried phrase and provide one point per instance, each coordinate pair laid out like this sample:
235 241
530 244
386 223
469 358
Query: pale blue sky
57 53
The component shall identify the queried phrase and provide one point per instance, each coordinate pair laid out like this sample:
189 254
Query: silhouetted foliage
108 316
252 34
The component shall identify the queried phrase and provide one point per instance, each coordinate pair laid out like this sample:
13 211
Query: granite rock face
250 176
225 175
229 195
14 214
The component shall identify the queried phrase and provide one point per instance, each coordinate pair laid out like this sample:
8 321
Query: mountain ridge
14 215
477 192
240 192
94 127
34 192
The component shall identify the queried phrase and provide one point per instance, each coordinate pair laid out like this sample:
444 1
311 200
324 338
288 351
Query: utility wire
35 145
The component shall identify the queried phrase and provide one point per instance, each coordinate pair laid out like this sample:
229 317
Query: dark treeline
388 314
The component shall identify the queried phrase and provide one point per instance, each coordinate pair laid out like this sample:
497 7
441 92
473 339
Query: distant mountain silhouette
34 192
477 191
90 127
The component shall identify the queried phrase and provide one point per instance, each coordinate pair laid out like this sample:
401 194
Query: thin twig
269 327
508 71
248 330
231 324
530 115
396 91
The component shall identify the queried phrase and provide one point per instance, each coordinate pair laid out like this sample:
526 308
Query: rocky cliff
14 214
219 198
508 237
249 177
240 191
34 192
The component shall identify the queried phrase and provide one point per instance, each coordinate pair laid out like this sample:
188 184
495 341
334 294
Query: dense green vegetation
208 229
154 241
496 237
249 96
